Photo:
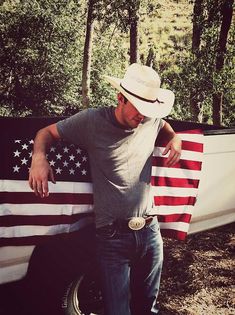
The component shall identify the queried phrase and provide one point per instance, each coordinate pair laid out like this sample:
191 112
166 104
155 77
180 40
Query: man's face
129 116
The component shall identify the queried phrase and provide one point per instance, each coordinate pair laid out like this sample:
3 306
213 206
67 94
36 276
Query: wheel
53 268
83 297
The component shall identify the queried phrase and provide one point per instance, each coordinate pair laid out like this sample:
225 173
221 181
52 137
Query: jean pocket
154 226
106 232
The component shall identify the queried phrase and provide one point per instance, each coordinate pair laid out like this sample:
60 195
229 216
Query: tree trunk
87 55
227 13
197 26
134 36
195 105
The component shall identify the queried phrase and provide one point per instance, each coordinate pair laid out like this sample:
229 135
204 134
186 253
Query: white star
65 163
58 156
84 159
17 141
71 171
83 172
71 157
25 147
30 154
66 150
16 153
31 141
52 163
52 149
78 164
24 161
58 170
78 151
16 169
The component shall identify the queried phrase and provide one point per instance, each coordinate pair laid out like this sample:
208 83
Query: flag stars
72 157
16 169
79 151
31 141
58 156
66 149
25 147
52 163
17 141
84 172
58 170
52 149
78 164
65 163
24 161
84 159
17 153
71 171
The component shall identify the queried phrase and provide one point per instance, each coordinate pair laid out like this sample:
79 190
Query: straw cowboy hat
141 86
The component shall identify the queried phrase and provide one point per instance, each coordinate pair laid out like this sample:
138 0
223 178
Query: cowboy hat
141 86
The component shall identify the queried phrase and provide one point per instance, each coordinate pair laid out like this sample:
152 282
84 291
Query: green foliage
40 55
42 46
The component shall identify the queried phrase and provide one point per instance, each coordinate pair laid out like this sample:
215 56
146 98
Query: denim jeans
130 265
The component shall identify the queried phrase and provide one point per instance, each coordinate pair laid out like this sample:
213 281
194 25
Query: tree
227 13
195 104
87 54
39 56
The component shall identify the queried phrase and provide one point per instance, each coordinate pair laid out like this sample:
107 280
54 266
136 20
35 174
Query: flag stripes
29 220
176 188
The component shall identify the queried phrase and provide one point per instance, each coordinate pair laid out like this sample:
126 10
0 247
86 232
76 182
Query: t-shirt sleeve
75 129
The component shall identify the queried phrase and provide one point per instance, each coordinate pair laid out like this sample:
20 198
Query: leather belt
130 224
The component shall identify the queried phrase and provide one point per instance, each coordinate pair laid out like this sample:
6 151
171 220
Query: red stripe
182 217
184 164
59 198
179 235
45 220
192 131
192 146
174 182
186 145
174 201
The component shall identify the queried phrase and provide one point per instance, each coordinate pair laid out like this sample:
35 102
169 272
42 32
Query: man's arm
40 170
173 146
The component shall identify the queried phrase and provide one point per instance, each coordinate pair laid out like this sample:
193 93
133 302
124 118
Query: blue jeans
130 265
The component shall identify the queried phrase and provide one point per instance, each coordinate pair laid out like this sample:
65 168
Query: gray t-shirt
120 161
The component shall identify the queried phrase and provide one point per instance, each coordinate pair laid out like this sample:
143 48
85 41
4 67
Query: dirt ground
199 274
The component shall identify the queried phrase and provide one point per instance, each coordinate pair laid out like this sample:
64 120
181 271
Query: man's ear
120 98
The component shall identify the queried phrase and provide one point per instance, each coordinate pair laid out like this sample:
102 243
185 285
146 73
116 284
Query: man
120 143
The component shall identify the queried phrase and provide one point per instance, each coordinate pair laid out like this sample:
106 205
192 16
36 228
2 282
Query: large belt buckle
136 223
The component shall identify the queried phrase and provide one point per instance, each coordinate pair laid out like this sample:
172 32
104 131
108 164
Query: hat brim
148 109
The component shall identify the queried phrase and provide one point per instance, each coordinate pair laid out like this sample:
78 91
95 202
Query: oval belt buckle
136 223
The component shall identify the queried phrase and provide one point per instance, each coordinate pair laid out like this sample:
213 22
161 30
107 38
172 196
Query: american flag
28 220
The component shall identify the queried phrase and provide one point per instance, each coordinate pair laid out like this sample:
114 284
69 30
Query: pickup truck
54 268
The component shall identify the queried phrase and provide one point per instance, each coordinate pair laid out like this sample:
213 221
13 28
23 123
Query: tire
83 297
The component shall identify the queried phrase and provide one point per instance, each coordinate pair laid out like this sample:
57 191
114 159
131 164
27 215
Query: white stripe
59 187
175 172
178 226
174 191
185 154
43 209
199 138
13 273
35 230
167 210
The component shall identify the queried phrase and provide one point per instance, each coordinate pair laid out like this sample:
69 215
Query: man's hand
39 174
174 147
40 170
